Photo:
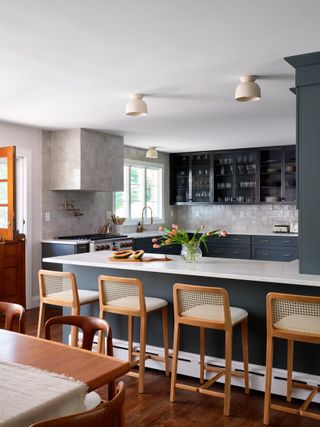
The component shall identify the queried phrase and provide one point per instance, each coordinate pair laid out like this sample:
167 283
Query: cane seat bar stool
125 296
293 318
13 312
60 289
208 307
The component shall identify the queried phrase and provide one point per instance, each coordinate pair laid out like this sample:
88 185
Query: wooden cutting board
144 259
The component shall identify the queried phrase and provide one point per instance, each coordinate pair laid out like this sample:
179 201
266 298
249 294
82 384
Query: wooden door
12 246
7 193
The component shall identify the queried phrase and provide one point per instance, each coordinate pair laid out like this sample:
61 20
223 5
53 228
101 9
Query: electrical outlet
47 216
109 213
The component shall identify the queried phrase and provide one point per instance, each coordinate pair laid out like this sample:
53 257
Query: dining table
41 379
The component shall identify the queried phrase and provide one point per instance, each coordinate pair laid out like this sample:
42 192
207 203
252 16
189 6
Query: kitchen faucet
142 218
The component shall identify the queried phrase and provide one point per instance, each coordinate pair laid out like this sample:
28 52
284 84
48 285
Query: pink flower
155 246
173 232
154 240
223 233
161 228
209 234
175 226
168 242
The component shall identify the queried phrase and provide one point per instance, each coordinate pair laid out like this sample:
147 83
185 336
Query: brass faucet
142 218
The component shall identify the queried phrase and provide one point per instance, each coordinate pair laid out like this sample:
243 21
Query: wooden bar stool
293 318
207 307
125 296
60 288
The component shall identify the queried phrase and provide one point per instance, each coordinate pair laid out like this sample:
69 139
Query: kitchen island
247 281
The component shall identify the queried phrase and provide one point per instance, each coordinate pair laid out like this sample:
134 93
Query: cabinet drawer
228 252
232 240
275 254
289 242
144 244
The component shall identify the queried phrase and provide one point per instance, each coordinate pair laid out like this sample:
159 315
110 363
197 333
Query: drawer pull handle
235 239
265 253
286 241
265 240
236 252
216 251
286 255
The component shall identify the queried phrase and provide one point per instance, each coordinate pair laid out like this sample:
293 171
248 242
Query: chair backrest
202 303
52 283
89 326
119 294
13 311
293 313
108 414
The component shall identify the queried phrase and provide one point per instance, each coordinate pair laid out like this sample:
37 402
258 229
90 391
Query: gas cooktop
93 237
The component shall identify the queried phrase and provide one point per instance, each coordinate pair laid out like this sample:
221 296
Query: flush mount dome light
248 89
152 153
136 106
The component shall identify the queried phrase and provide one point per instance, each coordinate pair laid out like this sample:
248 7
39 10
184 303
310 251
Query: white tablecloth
28 395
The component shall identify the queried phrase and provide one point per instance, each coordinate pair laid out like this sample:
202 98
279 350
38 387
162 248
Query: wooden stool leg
164 313
75 311
42 312
267 394
130 327
143 337
227 384
101 336
244 331
289 369
202 346
176 340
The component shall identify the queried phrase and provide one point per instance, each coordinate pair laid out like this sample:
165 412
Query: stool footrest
213 380
186 387
133 374
217 369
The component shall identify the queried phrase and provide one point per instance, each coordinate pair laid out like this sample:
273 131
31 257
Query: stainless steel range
103 242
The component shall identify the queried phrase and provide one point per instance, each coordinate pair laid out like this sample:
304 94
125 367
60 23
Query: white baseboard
189 365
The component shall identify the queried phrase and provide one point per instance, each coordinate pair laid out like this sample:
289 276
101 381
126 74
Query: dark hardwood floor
190 409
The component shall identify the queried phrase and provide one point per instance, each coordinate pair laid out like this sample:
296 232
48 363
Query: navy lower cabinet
275 248
232 246
143 244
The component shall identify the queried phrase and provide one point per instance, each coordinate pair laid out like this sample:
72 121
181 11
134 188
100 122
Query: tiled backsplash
236 219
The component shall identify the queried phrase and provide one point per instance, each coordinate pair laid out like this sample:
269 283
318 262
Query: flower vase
191 252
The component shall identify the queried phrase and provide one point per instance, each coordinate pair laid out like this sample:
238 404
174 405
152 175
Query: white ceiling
73 63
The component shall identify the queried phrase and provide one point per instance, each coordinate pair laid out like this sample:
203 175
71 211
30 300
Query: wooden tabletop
91 368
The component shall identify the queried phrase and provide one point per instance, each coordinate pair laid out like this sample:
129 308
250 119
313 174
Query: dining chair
60 288
108 414
12 312
89 326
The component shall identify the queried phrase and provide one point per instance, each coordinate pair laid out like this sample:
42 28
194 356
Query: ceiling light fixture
152 153
136 106
248 89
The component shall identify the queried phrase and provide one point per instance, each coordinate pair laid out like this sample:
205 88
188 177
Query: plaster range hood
85 160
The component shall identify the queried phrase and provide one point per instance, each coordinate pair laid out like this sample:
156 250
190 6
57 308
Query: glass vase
191 252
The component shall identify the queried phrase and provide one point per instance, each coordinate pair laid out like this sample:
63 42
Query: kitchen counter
236 269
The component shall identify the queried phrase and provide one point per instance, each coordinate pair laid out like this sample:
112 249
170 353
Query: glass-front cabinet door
201 177
246 177
224 177
180 174
7 196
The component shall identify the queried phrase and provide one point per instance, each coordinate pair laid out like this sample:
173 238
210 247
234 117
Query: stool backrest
207 302
11 312
295 313
54 282
119 294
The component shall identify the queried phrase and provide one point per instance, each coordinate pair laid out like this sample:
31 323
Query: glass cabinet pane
246 177
3 168
200 177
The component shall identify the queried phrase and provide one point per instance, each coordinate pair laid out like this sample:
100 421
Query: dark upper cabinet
246 176
278 175
191 178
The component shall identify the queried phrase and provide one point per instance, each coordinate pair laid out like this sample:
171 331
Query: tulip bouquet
176 235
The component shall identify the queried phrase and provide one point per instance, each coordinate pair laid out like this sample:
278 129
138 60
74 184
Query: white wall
29 145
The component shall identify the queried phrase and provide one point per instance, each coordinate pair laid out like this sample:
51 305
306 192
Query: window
142 186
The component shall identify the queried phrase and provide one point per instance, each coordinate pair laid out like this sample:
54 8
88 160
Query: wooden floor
190 409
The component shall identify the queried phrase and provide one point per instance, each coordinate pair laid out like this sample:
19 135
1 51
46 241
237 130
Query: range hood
85 160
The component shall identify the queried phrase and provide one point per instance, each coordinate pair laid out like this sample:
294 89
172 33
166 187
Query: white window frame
150 165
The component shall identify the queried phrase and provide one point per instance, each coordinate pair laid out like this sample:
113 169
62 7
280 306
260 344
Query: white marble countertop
156 233
238 269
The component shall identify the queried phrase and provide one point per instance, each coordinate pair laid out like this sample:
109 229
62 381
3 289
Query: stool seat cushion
299 323
215 313
85 296
133 303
